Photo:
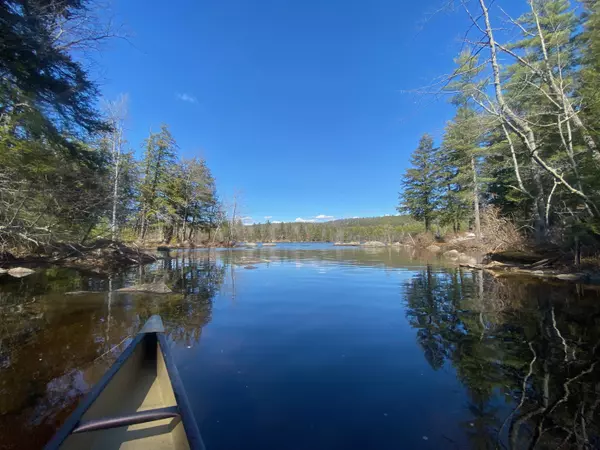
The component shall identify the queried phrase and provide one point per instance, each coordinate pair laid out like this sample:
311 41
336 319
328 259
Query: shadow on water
525 352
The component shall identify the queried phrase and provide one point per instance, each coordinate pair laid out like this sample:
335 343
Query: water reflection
513 363
526 353
54 347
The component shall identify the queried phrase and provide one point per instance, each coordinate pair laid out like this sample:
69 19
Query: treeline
385 229
67 172
525 135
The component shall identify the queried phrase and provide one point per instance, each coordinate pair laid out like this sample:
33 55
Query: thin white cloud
277 221
323 217
301 220
247 220
184 97
268 217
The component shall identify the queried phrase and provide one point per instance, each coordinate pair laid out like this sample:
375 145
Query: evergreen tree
49 124
460 158
419 197
44 92
461 153
589 80
158 164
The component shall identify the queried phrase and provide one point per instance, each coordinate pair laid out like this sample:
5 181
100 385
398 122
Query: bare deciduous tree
117 113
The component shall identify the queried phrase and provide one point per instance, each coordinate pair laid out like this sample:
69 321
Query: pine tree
461 151
589 80
461 154
544 90
45 93
419 197
158 162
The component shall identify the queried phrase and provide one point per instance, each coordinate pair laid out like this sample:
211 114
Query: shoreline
100 256
108 256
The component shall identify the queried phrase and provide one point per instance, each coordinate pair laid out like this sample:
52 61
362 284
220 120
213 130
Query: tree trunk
87 233
560 94
548 204
476 199
167 233
144 225
231 228
515 161
117 111
192 228
117 165
519 125
539 207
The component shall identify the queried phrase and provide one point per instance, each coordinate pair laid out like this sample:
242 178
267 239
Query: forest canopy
525 135
68 173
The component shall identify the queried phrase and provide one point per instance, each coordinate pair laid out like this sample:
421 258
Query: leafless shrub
424 240
498 232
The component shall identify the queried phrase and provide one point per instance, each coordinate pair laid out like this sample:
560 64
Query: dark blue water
318 355
310 346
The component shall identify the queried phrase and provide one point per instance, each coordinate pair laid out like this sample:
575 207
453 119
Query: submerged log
152 288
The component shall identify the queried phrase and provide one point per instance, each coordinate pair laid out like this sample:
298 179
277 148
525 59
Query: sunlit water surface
311 346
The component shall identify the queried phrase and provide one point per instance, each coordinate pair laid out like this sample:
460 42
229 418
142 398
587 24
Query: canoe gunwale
182 408
107 423
63 433
187 416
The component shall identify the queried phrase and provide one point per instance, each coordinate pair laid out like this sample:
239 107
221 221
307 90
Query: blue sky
298 105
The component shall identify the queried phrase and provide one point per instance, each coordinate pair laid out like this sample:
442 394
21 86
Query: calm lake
313 346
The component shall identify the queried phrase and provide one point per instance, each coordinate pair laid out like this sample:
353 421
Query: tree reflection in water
526 352
53 347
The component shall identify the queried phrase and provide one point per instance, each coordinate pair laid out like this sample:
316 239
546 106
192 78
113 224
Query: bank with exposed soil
101 255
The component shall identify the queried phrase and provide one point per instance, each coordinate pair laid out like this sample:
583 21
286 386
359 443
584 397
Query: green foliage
526 141
44 93
53 176
459 162
178 197
420 184
589 78
65 174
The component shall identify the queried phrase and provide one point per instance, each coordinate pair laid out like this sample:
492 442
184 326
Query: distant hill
385 228
373 221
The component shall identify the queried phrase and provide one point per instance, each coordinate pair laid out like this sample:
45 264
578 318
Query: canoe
140 403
